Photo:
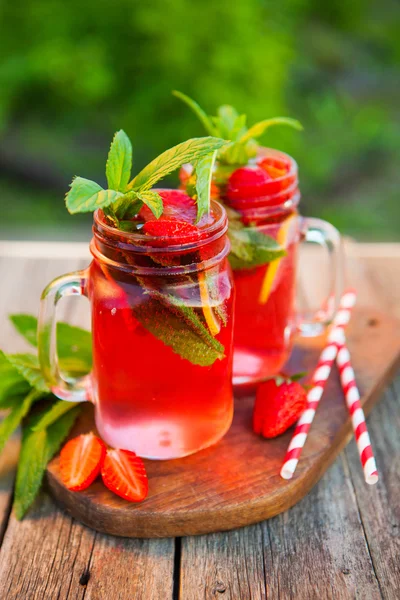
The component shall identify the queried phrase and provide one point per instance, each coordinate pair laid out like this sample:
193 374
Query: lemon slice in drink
211 320
273 267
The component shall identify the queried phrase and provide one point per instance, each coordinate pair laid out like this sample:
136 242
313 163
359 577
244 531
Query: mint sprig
231 125
22 389
123 196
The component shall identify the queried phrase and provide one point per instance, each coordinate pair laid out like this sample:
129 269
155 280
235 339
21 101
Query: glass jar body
148 398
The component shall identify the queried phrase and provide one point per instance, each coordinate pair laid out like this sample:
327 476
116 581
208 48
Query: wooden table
342 541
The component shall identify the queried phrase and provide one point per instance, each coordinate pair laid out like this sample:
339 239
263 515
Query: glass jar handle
72 389
326 235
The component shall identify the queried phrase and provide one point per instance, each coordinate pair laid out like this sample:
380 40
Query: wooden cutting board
237 482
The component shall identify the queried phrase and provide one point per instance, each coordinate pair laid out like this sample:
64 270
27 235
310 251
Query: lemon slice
273 267
211 320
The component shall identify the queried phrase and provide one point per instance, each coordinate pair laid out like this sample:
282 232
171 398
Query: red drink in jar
162 328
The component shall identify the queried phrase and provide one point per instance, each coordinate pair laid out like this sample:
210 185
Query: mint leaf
15 416
54 412
258 129
119 162
226 119
38 447
87 196
198 111
26 325
153 200
74 345
179 327
236 153
172 159
12 383
204 172
251 248
28 366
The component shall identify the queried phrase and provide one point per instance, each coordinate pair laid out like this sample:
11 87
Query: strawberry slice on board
278 407
81 460
124 474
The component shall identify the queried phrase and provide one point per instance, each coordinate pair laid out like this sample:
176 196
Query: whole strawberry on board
279 403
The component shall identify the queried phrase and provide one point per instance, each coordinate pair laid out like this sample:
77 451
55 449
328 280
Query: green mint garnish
179 327
229 124
249 246
124 199
119 162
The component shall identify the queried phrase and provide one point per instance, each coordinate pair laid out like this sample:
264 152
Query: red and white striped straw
352 396
319 380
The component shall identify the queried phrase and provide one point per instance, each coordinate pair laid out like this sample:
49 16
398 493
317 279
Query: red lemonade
162 338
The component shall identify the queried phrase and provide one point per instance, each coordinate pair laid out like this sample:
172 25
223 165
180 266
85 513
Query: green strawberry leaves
86 196
119 162
172 159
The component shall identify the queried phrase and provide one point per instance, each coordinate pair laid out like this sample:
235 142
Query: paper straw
359 424
319 380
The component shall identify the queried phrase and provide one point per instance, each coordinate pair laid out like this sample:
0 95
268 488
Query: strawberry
81 460
278 406
247 182
172 230
124 474
177 205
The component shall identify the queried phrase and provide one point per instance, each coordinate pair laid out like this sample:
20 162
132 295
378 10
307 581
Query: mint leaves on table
231 125
45 419
122 196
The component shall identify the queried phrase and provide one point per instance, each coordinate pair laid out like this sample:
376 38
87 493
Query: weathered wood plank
316 550
380 506
49 555
122 568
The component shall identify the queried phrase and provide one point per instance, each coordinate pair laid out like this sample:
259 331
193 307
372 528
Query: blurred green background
73 73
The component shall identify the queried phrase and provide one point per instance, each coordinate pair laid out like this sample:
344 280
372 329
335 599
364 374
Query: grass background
72 73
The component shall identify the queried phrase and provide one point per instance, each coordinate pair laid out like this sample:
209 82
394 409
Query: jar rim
143 242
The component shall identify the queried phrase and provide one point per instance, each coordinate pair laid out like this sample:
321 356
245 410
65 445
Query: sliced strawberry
124 474
81 460
177 205
247 182
277 407
172 230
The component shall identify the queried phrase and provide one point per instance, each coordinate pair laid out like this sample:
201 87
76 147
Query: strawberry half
177 205
248 182
180 232
81 460
277 407
124 474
